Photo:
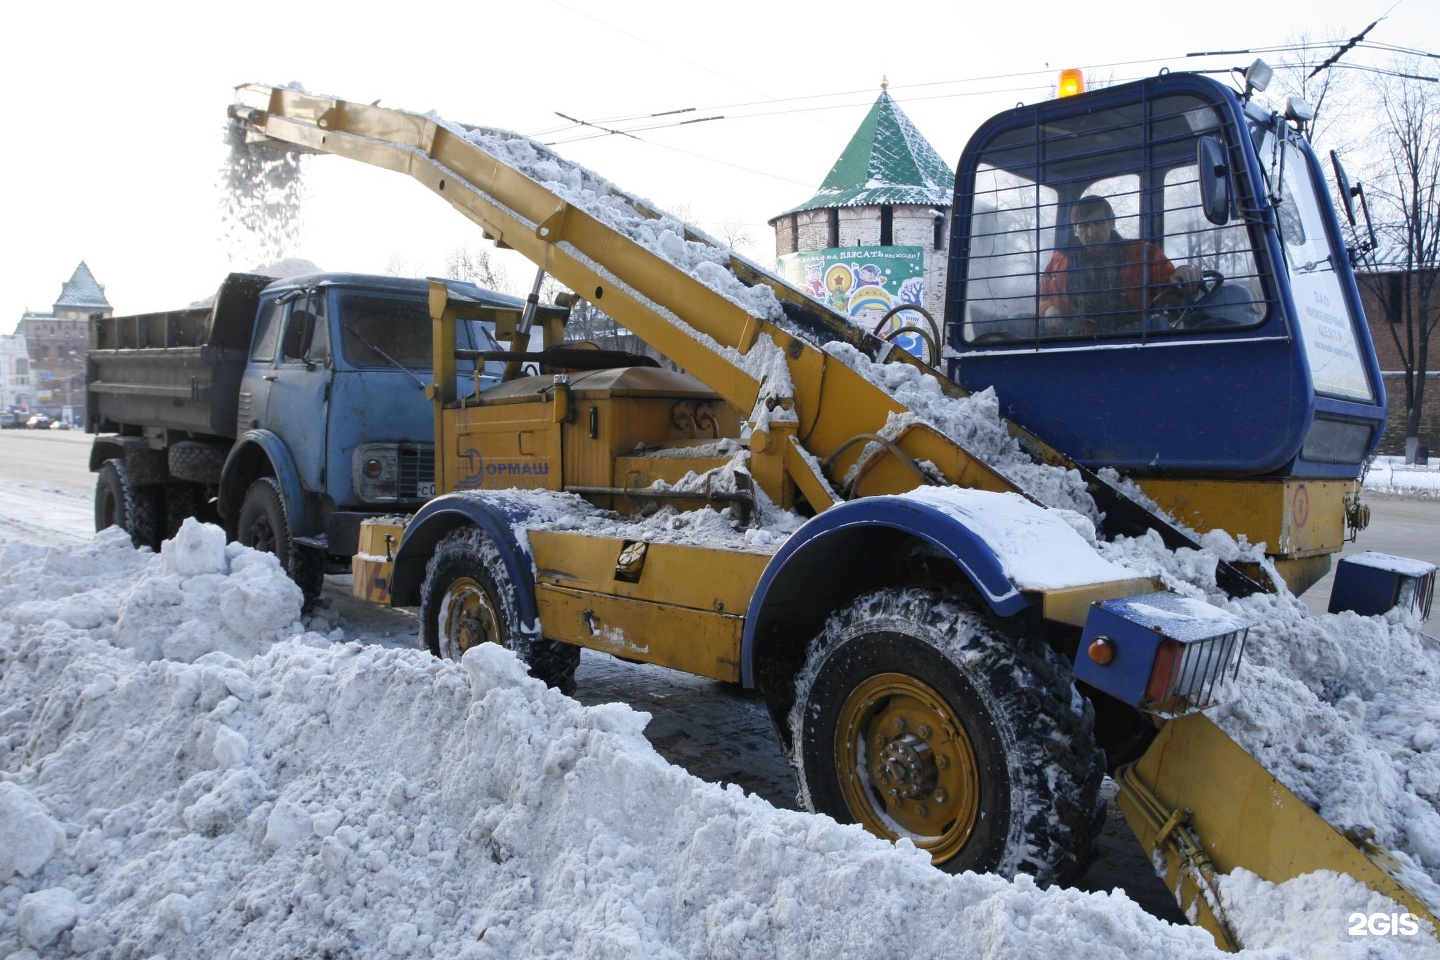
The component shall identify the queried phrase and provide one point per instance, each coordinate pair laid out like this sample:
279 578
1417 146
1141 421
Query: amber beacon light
1071 82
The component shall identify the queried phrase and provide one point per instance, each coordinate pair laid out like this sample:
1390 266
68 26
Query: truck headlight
375 472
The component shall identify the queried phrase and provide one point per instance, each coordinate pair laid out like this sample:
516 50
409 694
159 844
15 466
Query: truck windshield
1088 226
381 331
378 331
1327 326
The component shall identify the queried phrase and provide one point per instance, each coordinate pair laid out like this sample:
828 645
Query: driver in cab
1102 283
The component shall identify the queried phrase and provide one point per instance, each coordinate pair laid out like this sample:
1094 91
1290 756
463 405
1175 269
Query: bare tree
733 234
477 266
1305 70
399 265
1404 196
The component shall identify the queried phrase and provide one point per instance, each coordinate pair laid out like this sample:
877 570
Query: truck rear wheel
183 500
263 526
468 599
136 510
913 718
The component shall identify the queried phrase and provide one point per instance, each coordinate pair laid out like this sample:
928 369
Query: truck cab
334 389
288 410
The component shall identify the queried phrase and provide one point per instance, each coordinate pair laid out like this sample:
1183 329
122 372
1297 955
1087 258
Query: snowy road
716 731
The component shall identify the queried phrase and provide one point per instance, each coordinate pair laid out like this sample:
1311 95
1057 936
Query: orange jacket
1140 264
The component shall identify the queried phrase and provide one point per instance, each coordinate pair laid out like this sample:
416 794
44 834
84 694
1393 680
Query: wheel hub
471 618
907 766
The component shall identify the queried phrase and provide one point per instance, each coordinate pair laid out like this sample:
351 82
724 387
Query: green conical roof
886 162
81 290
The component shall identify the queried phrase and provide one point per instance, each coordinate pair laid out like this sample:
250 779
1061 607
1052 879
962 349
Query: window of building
887 225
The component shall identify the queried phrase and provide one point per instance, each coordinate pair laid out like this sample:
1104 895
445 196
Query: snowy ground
186 770
1392 476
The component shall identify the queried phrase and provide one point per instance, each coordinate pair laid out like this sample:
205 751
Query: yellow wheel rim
906 765
468 617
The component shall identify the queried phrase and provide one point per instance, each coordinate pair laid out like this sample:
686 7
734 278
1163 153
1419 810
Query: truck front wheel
136 510
263 526
915 719
468 599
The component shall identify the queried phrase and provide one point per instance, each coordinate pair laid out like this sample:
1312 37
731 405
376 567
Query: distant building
14 372
55 346
875 234
1383 289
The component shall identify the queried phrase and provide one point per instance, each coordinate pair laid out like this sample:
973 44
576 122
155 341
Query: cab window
1089 227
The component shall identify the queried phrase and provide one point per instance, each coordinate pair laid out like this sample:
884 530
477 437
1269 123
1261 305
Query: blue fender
300 511
845 540
497 514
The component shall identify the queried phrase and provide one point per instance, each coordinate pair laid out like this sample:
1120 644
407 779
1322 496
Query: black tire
136 510
182 499
914 717
468 598
263 525
197 461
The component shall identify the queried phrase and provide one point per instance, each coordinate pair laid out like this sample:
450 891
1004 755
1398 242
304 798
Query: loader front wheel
915 718
468 598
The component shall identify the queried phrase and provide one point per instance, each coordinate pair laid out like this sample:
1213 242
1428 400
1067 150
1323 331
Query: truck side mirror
1214 180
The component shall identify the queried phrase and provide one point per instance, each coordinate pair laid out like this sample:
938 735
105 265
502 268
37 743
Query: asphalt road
718 732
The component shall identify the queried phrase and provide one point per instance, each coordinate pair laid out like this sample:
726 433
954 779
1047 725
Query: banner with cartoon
865 283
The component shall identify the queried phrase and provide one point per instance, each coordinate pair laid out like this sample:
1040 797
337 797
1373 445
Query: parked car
38 422
8 421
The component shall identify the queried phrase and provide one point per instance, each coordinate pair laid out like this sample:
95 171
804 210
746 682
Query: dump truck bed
177 370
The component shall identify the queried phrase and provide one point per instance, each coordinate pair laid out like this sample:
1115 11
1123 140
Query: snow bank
310 797
1392 475
199 596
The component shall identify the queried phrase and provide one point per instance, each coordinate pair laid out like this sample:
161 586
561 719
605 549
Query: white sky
112 143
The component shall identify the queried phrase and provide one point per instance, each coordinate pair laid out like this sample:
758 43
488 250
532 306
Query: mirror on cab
1214 174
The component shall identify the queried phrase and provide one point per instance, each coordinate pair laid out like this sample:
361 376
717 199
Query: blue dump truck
287 411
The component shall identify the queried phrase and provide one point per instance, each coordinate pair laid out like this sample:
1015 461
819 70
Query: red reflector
1167 658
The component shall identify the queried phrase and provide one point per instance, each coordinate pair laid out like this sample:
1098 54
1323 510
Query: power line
1344 49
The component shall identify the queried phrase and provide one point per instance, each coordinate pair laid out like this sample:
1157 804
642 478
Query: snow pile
310 797
199 596
1392 475
319 798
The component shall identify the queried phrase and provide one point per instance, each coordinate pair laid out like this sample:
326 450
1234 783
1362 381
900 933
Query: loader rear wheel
264 526
915 718
136 510
468 598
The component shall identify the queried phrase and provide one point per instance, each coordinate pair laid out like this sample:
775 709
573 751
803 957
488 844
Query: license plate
425 490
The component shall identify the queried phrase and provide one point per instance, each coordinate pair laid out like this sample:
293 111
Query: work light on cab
1072 81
